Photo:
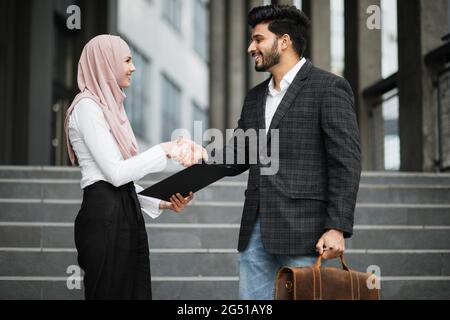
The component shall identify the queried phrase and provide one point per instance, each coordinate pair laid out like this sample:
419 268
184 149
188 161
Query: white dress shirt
100 159
275 97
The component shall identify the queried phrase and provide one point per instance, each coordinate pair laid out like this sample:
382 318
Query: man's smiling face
264 48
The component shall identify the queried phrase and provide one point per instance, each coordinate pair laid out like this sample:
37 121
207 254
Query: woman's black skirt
112 244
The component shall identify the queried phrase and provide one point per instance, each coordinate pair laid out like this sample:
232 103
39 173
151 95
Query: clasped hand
185 152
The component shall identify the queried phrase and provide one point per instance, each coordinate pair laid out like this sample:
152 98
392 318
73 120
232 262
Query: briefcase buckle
289 285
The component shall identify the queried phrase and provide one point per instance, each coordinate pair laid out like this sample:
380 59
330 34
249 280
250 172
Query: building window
199 115
201 28
171 102
137 99
172 13
390 112
390 105
389 38
448 15
337 37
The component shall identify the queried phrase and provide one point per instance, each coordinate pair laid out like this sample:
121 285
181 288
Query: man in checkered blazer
306 208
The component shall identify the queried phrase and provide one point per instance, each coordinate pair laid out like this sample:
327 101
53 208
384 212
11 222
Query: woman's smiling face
128 69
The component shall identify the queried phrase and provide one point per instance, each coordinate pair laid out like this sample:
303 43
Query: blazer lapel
291 94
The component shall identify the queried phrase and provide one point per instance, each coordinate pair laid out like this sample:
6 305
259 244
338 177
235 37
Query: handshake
185 152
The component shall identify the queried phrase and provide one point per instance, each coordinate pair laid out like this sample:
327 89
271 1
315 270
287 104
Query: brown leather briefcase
316 283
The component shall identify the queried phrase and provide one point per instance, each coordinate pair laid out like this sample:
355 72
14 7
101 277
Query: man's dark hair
283 20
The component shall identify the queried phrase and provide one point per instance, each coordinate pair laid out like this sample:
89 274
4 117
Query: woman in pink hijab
110 234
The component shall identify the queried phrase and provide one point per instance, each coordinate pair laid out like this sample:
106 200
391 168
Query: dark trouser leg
142 281
106 236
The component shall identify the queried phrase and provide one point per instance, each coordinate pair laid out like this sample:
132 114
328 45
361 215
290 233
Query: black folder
189 180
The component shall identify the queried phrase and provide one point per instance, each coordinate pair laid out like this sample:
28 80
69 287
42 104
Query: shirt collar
287 79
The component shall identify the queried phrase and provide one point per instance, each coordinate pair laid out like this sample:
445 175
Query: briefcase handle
344 264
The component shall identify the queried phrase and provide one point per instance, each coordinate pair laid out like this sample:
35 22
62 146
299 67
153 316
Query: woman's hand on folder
177 203
185 151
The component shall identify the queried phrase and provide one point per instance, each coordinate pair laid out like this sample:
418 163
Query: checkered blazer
317 183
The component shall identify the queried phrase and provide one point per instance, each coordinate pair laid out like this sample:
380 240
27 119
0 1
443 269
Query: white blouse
100 159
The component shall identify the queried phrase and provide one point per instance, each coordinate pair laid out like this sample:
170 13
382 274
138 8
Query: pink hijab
99 71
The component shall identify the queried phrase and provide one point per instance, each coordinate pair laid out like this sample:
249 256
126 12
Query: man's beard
270 59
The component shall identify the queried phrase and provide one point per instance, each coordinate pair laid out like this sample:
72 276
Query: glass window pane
201 28
448 15
199 115
172 13
389 38
171 104
337 37
390 109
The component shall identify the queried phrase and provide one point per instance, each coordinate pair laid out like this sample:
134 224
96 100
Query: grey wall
40 91
14 72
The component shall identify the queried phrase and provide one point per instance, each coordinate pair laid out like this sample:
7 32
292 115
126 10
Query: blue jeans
258 268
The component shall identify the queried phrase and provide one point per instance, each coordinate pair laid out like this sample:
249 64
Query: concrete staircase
402 226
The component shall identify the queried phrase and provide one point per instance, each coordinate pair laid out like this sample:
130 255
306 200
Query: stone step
230 191
224 263
366 178
56 289
403 218
209 236
402 178
19 210
75 174
215 289
30 172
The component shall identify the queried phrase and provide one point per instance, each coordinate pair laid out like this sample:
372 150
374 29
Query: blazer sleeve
234 151
342 145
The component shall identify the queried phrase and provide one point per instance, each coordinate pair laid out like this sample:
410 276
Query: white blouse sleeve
101 144
149 206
